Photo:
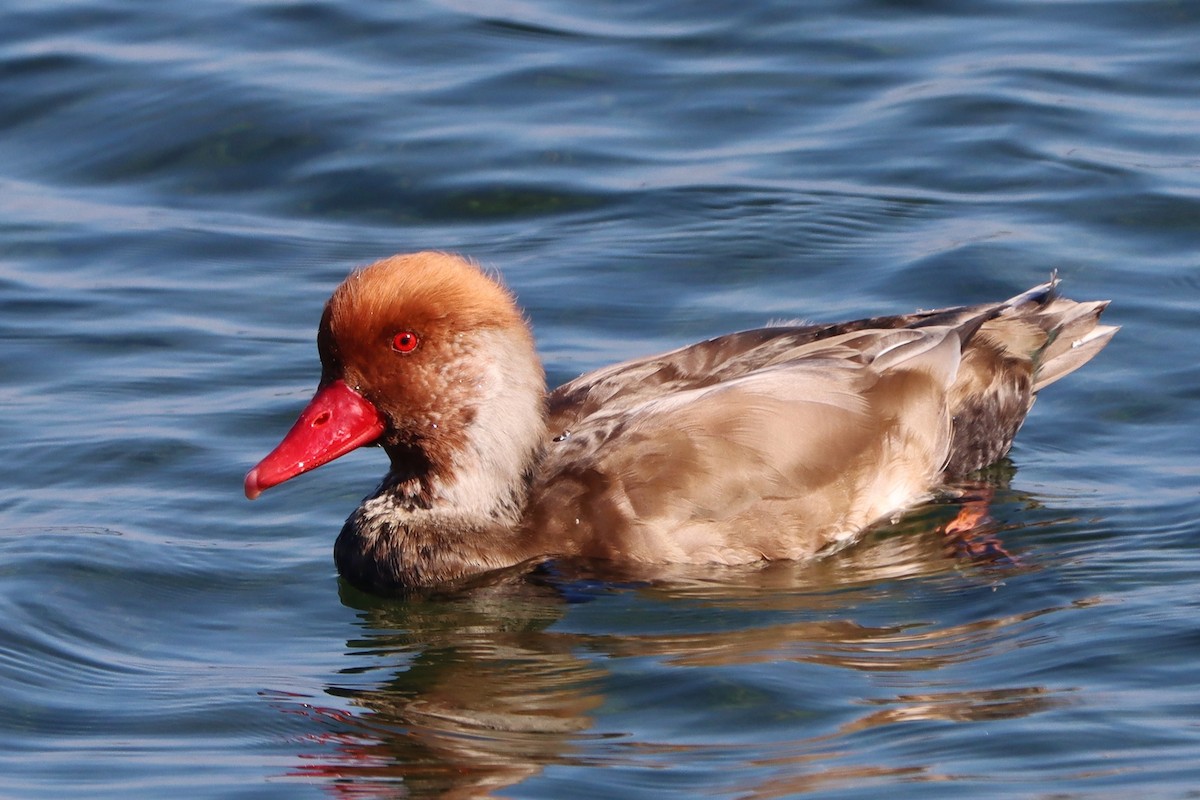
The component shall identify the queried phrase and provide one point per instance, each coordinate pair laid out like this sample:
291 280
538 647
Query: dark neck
419 531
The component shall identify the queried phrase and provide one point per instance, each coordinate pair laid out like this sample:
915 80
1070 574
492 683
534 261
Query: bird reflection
465 695
479 696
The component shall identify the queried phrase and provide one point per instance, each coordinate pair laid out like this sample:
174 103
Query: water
181 187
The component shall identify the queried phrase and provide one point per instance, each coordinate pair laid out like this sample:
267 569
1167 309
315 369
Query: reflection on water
463 696
480 694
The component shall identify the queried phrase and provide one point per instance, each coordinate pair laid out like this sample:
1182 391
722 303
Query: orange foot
968 533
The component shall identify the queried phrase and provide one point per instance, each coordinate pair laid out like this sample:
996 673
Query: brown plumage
777 443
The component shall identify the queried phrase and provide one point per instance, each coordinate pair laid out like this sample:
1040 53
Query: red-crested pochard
777 443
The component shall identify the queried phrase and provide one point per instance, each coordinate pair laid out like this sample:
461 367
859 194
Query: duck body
777 443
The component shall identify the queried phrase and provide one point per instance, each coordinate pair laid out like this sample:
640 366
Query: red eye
405 342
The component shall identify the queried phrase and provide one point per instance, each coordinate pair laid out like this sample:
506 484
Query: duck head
430 358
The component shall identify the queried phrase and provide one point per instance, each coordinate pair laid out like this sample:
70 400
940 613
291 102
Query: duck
782 442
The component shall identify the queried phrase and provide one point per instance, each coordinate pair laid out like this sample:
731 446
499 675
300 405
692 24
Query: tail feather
1073 331
1073 347
1039 295
1024 345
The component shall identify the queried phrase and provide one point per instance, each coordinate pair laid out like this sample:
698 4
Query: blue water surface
183 183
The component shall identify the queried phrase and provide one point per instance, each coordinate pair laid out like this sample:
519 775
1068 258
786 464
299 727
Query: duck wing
780 461
785 441
1011 350
630 383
